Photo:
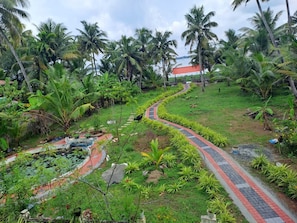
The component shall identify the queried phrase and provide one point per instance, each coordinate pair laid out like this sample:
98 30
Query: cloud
123 17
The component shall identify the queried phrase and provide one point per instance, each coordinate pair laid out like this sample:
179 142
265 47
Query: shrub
208 183
173 188
129 184
292 191
186 173
169 160
260 162
132 167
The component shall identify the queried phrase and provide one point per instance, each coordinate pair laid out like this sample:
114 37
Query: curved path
254 202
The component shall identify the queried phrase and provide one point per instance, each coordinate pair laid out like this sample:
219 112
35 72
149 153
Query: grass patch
224 111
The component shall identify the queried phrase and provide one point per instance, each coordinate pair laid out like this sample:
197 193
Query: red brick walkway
255 203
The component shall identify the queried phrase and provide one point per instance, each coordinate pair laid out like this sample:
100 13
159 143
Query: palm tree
162 48
143 39
54 43
236 3
64 102
232 40
92 40
127 58
10 23
257 39
263 75
199 32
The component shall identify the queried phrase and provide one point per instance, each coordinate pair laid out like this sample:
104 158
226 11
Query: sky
123 17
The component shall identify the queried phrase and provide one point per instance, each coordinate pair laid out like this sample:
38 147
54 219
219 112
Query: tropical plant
199 33
220 207
186 173
132 167
143 39
260 162
163 51
175 187
169 160
208 182
130 185
236 3
257 40
156 155
54 43
263 76
92 40
11 24
263 113
13 122
127 58
64 103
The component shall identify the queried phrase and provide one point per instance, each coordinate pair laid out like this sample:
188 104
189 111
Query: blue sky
122 17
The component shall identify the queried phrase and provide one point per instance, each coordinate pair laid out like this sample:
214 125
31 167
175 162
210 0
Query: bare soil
143 142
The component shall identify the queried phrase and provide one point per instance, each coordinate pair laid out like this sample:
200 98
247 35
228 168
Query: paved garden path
253 200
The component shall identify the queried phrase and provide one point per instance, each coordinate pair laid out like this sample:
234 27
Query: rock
154 176
115 174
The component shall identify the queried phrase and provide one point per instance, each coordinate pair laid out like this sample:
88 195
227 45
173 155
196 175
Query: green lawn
223 109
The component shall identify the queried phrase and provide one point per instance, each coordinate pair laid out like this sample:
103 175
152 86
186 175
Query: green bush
281 175
208 183
260 162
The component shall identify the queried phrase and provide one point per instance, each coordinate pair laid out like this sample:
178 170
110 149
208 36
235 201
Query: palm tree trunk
289 17
94 63
266 25
17 59
164 76
201 69
290 79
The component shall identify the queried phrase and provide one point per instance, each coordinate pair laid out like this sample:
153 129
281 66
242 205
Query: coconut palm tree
236 3
199 32
92 40
55 44
143 39
232 40
127 58
163 49
11 24
257 39
64 103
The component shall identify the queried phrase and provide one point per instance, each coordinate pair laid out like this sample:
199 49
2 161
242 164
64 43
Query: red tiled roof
186 69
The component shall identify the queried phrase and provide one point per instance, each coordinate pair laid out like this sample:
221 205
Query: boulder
115 174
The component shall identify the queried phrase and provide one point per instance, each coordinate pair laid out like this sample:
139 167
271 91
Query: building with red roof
186 70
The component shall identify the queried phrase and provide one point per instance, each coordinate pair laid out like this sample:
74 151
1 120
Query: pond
42 165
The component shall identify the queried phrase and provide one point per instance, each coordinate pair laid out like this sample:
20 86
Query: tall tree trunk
271 36
201 68
94 63
290 79
289 17
18 60
164 75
